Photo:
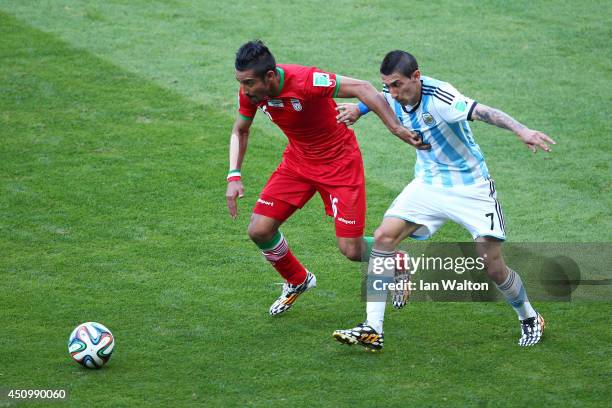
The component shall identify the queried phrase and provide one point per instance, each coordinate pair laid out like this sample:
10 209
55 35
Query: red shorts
341 185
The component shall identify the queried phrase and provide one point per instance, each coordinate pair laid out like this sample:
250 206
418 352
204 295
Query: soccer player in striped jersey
322 157
451 182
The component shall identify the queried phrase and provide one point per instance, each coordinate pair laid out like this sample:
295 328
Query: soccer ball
91 344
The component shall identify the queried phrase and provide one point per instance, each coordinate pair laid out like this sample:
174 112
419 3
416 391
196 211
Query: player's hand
534 139
412 138
235 190
348 113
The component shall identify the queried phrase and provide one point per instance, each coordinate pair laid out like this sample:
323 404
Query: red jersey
305 112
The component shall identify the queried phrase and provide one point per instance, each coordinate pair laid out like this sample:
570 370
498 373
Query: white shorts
475 207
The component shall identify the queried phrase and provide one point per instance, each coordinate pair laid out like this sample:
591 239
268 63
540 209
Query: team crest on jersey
296 104
428 119
322 79
277 103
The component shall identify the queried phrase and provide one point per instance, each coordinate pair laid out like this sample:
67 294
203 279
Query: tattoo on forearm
498 118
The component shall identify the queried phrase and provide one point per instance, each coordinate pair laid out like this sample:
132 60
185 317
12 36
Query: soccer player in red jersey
322 156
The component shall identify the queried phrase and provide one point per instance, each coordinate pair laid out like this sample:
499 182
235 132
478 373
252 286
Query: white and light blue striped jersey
441 119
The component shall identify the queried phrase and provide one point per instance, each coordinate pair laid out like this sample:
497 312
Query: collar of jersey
418 103
281 72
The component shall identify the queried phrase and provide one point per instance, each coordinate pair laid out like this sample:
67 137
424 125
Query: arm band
234 175
363 108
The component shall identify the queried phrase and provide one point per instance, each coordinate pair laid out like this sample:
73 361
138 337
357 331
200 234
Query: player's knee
352 252
497 275
495 267
385 239
492 260
260 234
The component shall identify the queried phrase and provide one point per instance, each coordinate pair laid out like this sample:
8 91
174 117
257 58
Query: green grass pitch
114 126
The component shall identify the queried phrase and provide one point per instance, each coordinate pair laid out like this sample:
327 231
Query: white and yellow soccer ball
91 344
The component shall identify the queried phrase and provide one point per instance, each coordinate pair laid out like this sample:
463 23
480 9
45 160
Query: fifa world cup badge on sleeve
322 79
460 106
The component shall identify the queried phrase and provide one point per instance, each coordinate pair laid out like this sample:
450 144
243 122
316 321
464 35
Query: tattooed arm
532 138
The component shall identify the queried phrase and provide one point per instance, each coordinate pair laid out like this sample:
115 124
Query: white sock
376 310
376 315
514 291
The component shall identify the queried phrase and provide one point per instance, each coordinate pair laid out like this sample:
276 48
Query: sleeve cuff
469 115
337 88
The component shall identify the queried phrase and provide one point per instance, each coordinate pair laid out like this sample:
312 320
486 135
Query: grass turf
114 124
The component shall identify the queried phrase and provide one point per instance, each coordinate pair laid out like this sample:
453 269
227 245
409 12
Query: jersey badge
277 103
428 119
296 104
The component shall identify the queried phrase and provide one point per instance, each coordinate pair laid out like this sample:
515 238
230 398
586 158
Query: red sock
285 262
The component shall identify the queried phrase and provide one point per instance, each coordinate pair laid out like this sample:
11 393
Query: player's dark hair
399 61
256 56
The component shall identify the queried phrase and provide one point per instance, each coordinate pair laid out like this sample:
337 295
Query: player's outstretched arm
366 93
238 146
532 138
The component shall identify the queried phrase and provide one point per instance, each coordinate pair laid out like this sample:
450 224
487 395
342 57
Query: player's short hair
399 61
256 56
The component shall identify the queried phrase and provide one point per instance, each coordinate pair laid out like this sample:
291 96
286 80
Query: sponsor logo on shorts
334 200
264 202
349 222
